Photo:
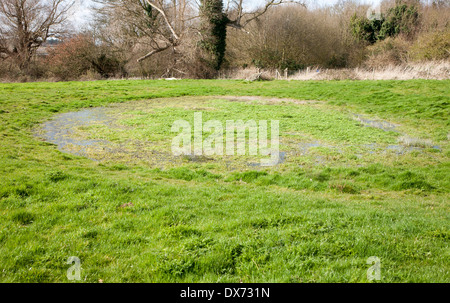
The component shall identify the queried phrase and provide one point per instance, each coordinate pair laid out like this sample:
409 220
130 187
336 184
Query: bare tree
26 24
158 24
239 18
177 25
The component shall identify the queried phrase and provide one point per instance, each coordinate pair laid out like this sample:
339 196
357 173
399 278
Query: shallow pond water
381 124
60 131
68 132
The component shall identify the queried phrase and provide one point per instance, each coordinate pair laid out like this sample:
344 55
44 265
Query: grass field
346 191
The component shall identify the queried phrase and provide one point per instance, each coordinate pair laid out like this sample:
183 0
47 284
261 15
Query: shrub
391 51
401 19
432 46
81 56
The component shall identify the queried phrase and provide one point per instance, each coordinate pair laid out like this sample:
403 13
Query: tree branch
161 11
155 51
236 23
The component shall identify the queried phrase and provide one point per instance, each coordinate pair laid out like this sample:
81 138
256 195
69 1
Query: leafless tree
161 25
239 18
26 24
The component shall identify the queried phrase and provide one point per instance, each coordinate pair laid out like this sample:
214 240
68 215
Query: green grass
200 221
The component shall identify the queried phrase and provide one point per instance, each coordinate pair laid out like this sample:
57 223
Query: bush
391 51
293 37
402 19
81 56
432 46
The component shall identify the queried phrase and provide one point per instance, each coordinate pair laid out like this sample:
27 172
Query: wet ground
66 131
61 131
381 124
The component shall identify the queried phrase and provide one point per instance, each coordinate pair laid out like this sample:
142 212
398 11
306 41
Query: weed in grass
23 217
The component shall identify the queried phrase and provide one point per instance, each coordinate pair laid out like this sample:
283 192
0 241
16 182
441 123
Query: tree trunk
213 31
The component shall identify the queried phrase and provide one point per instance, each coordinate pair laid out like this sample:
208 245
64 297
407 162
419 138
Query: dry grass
417 142
427 70
244 73
438 70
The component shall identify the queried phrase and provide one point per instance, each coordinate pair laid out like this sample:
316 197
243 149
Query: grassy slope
191 225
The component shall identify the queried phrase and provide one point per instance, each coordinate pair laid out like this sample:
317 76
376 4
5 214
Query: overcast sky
81 12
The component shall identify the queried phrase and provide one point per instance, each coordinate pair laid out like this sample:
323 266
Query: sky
81 12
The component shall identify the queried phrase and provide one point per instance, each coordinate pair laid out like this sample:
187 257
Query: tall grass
437 70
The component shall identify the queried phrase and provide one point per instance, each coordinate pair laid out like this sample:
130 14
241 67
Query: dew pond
139 132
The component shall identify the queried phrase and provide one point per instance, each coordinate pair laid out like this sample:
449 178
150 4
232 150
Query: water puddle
64 131
61 131
380 124
310 149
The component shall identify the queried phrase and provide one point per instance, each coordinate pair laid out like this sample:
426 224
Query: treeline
343 36
346 35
